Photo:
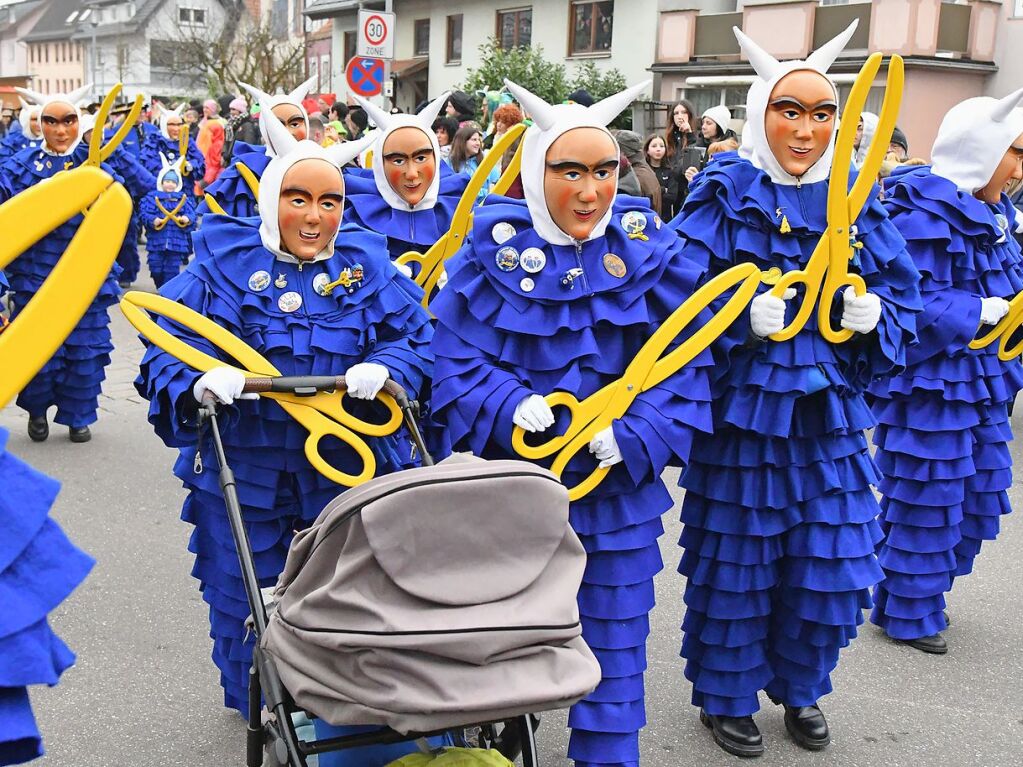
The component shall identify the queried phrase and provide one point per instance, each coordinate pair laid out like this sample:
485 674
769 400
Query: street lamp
92 57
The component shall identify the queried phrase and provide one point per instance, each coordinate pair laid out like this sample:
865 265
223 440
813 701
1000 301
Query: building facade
54 61
16 20
437 42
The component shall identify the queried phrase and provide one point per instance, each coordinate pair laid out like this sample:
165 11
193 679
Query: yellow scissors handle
70 288
183 142
431 263
213 205
1003 332
648 369
250 179
252 364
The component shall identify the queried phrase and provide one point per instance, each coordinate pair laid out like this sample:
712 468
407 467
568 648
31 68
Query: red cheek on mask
394 177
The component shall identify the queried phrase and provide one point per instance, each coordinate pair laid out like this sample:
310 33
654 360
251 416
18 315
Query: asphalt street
144 691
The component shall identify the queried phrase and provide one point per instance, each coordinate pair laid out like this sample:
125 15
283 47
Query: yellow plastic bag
455 757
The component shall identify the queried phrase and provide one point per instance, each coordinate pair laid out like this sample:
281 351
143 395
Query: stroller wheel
506 738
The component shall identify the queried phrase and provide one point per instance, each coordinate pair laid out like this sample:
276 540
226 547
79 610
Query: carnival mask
580 180
60 126
293 119
1009 168
309 207
409 163
174 123
800 120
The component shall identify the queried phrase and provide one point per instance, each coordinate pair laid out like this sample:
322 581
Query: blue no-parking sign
365 76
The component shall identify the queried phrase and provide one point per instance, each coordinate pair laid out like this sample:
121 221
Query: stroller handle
309 385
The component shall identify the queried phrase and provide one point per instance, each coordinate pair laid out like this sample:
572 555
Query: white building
437 41
16 20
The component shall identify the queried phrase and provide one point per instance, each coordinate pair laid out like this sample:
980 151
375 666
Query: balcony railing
714 37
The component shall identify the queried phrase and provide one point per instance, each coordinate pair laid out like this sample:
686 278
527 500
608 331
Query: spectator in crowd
505 117
334 132
461 106
632 147
580 96
679 133
714 126
445 128
214 132
243 126
467 153
669 177
899 145
338 111
357 122
627 181
317 128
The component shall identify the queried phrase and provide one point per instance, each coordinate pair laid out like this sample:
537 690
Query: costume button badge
634 223
259 281
507 259
527 285
281 281
502 232
289 302
533 260
614 265
320 284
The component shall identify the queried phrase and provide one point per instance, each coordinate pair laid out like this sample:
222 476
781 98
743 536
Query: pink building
949 51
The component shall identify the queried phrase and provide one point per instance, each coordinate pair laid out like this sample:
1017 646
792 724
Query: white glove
366 379
404 269
224 383
992 310
533 414
767 313
861 313
605 447
442 280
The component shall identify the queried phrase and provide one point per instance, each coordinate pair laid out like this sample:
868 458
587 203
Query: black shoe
948 620
124 284
807 726
38 428
80 434
737 735
934 644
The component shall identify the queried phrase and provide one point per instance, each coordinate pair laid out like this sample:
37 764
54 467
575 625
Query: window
324 73
314 69
1018 9
163 54
46 55
349 41
591 27
454 49
422 37
514 28
123 57
194 16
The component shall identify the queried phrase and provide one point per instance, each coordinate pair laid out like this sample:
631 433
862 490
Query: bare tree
242 50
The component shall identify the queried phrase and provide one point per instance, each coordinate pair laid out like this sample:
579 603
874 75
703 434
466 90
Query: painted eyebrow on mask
403 156
1016 149
786 100
564 165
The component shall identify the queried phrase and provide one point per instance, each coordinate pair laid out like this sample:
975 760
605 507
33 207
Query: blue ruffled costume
156 142
779 517
496 343
942 442
231 190
15 141
73 377
169 247
380 321
405 230
39 568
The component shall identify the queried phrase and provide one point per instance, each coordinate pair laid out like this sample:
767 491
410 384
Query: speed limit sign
376 35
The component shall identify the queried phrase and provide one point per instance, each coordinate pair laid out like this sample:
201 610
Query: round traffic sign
375 30
365 76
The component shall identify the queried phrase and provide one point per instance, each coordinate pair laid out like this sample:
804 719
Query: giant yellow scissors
168 215
63 298
647 369
827 271
1004 331
430 265
322 414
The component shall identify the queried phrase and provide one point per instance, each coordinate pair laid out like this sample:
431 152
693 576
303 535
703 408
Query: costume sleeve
196 160
148 211
136 179
401 337
166 381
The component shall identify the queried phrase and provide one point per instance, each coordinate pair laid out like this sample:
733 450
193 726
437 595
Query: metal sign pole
389 7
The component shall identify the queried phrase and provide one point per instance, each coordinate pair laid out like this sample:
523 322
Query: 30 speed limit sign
376 35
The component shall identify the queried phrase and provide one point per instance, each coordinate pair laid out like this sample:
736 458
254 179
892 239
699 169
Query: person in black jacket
670 177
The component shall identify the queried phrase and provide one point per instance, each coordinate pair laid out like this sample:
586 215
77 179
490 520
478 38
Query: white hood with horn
388 124
289 152
870 121
770 71
25 118
973 138
551 122
72 99
295 98
165 115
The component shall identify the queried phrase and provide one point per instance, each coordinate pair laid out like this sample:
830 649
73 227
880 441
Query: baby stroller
428 601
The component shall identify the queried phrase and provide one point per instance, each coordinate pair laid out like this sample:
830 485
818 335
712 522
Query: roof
52 24
325 9
13 13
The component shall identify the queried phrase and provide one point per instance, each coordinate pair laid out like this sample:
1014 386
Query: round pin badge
614 265
259 281
533 260
320 282
289 302
507 259
502 232
527 284
634 221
